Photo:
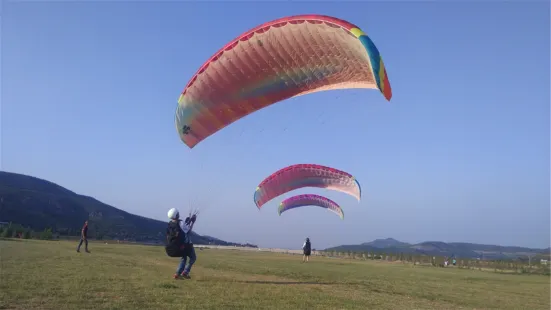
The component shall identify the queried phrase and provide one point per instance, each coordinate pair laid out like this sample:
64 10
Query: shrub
46 234
8 232
27 234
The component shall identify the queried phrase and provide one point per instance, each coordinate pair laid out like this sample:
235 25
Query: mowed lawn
51 275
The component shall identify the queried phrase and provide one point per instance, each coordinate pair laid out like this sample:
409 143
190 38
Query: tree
8 232
47 234
27 234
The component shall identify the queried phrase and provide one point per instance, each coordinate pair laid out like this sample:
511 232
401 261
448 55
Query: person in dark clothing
175 236
307 250
184 245
84 237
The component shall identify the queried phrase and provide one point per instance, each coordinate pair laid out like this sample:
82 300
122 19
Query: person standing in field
306 250
84 237
179 231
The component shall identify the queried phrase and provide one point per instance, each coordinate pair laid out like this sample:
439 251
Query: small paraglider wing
310 200
275 61
305 175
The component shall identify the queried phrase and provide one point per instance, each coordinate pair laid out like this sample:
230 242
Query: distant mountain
437 248
217 241
41 204
386 243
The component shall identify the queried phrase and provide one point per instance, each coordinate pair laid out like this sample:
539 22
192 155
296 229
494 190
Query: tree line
13 230
532 265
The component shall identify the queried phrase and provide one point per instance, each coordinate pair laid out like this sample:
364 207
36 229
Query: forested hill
40 204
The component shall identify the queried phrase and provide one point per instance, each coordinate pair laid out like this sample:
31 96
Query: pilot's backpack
175 236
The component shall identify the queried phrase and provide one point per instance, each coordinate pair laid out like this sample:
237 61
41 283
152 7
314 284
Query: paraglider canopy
310 200
305 175
277 60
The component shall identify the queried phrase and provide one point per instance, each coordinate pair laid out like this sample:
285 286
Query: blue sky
460 154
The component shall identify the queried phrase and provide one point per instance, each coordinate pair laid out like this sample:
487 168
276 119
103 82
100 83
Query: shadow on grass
12 239
166 285
273 282
288 282
280 282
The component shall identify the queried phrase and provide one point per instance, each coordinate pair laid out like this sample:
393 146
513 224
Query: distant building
2 224
544 261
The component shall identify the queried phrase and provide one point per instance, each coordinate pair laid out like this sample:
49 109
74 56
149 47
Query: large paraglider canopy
275 61
305 175
310 200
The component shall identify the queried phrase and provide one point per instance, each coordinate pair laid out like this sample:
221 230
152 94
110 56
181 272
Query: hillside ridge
439 248
41 204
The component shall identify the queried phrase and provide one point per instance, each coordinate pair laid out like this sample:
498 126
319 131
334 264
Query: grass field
51 275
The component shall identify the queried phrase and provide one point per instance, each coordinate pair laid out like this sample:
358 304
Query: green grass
51 275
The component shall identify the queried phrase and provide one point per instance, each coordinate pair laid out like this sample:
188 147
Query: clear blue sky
460 154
